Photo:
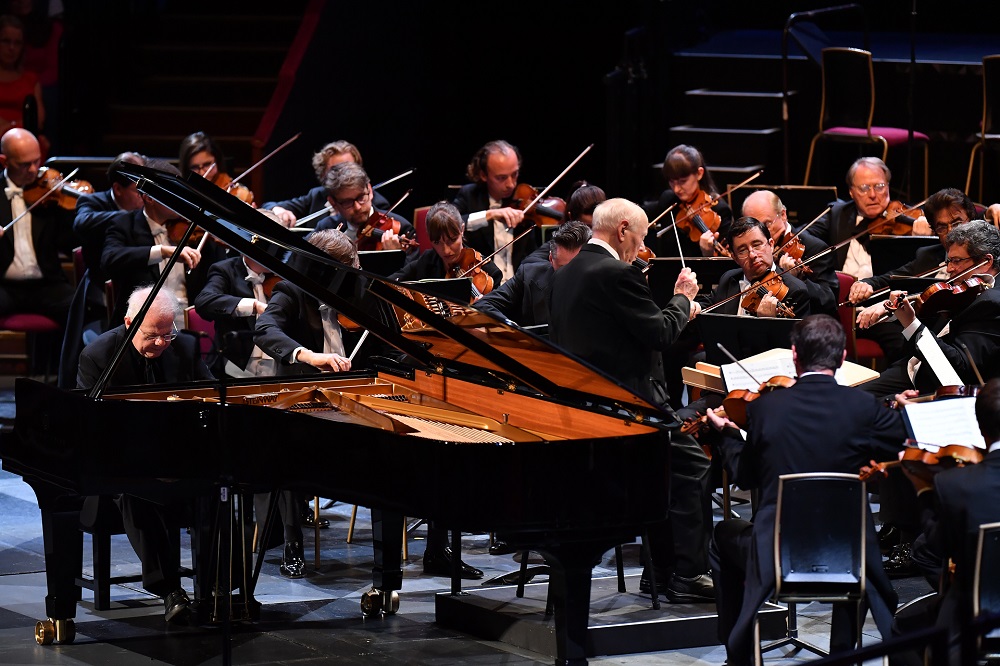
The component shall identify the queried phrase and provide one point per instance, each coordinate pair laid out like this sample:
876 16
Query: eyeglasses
169 337
205 166
359 200
744 250
954 261
866 188
944 227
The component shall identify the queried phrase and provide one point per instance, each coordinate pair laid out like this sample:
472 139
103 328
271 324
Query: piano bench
101 519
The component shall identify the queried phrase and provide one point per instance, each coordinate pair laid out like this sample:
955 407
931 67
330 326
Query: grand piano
459 418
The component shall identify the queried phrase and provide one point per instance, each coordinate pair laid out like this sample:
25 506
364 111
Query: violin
241 192
769 284
370 235
734 405
268 284
469 264
65 196
177 227
548 211
947 297
698 218
918 460
897 219
791 246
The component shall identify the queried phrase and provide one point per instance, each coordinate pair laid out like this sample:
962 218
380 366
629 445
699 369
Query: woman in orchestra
201 155
445 228
16 83
583 199
692 189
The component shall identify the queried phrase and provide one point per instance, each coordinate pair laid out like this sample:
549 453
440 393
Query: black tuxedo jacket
601 310
291 320
51 233
814 426
729 285
180 362
524 299
925 259
666 245
822 284
837 225
224 288
125 260
475 197
314 200
94 214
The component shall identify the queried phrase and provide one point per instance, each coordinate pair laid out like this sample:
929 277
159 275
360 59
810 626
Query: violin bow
271 154
795 237
913 297
393 179
526 208
659 217
52 190
735 360
327 209
878 293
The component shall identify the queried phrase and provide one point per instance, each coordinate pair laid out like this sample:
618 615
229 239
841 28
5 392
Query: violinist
580 205
816 425
977 326
200 154
349 191
492 218
953 504
31 275
139 244
819 277
602 311
694 192
524 299
333 153
444 227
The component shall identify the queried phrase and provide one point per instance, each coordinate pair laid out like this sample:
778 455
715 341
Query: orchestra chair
819 555
420 225
986 585
195 322
848 105
857 348
989 132
101 518
34 327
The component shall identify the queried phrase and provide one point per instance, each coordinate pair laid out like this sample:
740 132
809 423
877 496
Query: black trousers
154 532
289 511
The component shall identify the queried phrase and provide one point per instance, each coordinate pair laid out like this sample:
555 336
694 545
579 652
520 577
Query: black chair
986 584
819 554
989 131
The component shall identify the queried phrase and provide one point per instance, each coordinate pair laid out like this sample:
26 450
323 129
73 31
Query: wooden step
735 146
733 109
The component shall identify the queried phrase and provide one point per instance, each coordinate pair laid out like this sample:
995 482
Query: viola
469 264
548 211
734 405
769 284
698 218
370 235
920 460
65 195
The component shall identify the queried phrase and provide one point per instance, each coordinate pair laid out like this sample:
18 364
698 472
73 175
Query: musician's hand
905 398
327 362
719 421
510 216
695 310
787 263
860 291
189 255
687 283
768 306
921 227
390 241
259 307
286 216
870 315
706 243
992 214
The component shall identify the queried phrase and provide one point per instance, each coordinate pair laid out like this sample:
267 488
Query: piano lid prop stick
680 252
737 362
354 352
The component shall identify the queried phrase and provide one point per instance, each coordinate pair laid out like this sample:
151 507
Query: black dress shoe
293 563
684 590
900 564
439 564
661 579
177 607
501 547
308 520
889 536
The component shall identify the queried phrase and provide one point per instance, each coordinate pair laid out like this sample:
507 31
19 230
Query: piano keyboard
448 431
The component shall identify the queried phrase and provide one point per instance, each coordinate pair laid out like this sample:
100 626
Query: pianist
156 354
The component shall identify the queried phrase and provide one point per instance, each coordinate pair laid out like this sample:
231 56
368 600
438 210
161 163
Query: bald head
21 156
622 225
766 206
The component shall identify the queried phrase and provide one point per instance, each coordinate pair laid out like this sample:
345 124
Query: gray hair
164 303
979 237
609 213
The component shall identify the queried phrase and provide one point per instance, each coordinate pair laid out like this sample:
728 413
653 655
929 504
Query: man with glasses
156 354
818 276
349 191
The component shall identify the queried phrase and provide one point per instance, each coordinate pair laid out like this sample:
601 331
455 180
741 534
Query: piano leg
571 568
63 542
387 574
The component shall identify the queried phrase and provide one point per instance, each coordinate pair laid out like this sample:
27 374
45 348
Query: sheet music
937 361
763 369
944 422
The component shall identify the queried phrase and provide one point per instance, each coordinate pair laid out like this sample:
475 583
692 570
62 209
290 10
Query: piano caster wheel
58 631
374 602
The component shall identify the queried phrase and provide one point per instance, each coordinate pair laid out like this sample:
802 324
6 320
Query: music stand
663 272
890 252
382 262
802 202
742 336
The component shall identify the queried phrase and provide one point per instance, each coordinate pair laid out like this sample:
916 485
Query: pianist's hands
324 362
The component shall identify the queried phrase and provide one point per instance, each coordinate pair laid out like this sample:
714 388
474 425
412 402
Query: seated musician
492 218
31 275
297 331
350 193
953 504
825 427
690 185
583 199
444 228
944 209
200 154
291 210
818 276
156 354
601 310
525 298
139 244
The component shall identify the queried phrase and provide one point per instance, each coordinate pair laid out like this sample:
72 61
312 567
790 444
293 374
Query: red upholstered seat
857 348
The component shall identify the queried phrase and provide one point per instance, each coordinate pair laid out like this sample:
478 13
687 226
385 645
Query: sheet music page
763 369
937 361
944 422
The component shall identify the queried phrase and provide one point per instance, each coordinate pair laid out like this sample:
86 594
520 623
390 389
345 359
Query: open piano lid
444 337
